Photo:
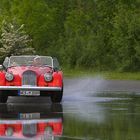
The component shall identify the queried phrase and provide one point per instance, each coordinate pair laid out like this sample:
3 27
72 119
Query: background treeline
98 34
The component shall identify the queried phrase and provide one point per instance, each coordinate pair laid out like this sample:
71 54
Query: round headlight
9 76
48 77
9 131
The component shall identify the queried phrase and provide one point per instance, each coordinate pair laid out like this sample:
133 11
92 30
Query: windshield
30 61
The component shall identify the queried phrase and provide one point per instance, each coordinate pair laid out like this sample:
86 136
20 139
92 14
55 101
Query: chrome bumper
32 88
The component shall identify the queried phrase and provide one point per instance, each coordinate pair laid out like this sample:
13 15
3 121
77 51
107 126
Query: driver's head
37 60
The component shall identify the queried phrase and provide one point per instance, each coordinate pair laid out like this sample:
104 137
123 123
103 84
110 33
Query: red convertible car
31 76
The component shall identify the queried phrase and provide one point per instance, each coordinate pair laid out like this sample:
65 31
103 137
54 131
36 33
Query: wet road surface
92 109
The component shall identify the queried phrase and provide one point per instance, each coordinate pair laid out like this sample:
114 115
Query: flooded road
92 109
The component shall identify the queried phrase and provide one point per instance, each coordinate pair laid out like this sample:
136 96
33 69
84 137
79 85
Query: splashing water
83 87
80 98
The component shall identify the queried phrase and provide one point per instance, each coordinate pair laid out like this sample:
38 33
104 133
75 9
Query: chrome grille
29 78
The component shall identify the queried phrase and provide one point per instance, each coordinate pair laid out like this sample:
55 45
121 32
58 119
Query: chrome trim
30 88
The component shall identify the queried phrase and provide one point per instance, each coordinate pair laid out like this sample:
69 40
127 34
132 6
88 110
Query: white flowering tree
14 40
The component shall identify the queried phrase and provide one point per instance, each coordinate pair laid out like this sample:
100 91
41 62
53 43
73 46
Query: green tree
103 35
14 40
41 22
125 38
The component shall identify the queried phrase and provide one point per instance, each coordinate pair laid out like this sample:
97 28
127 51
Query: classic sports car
31 76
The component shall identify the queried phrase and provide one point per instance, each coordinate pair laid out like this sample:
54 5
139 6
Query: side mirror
1 67
56 66
55 69
6 62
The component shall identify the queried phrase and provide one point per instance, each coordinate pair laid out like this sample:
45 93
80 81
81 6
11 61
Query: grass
104 74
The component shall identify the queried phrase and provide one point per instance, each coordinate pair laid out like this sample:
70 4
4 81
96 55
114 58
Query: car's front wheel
3 97
57 97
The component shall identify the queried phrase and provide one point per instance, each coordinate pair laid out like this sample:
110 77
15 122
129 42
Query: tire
3 97
57 97
56 108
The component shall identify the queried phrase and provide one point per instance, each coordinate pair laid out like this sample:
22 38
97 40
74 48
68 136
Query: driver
37 61
14 64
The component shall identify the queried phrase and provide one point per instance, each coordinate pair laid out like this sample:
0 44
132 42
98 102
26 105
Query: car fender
58 79
2 79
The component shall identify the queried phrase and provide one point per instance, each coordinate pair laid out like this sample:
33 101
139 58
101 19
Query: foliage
101 35
14 40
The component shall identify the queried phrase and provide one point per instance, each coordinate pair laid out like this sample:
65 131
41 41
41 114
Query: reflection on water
40 122
101 116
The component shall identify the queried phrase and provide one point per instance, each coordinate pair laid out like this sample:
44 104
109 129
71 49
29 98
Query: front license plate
29 93
29 115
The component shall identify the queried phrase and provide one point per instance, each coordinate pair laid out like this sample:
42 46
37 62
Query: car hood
21 69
